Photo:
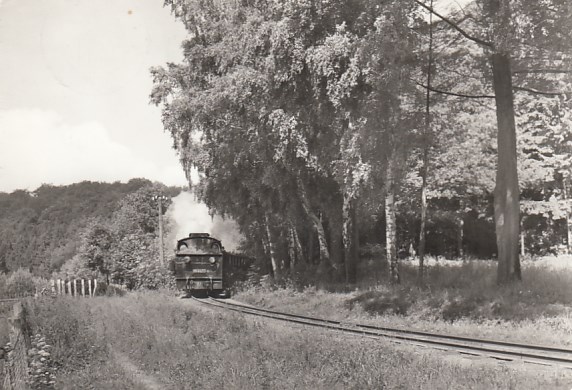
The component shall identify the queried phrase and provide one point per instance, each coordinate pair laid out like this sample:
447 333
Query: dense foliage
84 230
307 121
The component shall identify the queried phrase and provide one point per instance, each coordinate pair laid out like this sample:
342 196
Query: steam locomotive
202 267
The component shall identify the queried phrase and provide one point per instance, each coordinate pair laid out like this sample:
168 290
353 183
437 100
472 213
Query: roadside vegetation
459 297
147 340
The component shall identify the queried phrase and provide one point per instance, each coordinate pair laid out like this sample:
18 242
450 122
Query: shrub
458 308
152 276
21 282
75 268
380 302
110 290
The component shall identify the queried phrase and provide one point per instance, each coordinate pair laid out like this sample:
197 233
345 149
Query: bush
21 283
152 276
75 268
458 308
110 290
380 302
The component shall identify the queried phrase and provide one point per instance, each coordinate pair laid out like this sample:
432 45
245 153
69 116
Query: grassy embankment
458 297
158 341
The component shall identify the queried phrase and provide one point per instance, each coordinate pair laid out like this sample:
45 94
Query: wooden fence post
63 287
18 376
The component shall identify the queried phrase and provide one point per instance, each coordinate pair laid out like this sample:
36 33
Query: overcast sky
74 91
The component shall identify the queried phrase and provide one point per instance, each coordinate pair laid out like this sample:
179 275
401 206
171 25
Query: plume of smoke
189 216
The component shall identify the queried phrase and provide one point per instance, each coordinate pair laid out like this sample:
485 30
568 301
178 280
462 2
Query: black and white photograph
285 194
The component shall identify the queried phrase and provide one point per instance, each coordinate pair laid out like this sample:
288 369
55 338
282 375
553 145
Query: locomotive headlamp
212 260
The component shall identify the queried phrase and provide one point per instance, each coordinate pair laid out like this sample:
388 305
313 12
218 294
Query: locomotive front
198 266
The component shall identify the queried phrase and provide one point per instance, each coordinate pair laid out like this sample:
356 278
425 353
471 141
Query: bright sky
74 87
74 91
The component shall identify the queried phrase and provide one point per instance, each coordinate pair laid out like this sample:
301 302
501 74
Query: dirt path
138 376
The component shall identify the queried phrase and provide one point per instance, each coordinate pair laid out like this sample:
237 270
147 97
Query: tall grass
181 347
463 294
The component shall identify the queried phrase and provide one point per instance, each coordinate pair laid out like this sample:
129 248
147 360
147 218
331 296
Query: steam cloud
190 216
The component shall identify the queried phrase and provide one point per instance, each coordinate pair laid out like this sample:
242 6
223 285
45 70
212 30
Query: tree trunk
266 251
335 229
272 251
316 222
425 167
460 235
390 225
336 246
422 224
297 245
322 241
568 217
292 252
310 246
349 237
568 231
507 195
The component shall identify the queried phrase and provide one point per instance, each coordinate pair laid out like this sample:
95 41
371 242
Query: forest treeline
84 230
323 126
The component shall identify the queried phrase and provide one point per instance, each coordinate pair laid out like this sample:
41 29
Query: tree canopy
305 120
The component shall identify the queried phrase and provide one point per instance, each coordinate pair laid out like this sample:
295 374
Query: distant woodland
80 228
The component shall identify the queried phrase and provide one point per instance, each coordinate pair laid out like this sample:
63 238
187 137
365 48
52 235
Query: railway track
500 350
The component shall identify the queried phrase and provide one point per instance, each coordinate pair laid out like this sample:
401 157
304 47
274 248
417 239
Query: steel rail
413 332
511 351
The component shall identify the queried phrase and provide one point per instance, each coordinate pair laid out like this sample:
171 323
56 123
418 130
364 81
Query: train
202 267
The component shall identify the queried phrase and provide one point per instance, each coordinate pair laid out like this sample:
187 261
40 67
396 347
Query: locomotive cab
198 265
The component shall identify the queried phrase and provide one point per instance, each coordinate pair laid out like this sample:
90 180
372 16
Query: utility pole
160 199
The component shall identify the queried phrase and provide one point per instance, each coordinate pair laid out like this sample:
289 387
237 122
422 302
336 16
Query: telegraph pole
160 199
